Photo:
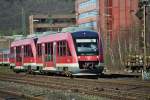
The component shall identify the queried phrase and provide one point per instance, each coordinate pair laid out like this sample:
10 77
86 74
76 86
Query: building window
87 3
89 24
88 14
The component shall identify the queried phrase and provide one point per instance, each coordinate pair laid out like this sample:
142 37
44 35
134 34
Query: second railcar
23 54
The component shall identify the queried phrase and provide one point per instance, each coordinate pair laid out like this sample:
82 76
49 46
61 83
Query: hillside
11 12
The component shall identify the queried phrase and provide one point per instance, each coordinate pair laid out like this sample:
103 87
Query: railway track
11 95
120 89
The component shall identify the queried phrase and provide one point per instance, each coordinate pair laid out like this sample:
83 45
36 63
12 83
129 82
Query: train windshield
86 46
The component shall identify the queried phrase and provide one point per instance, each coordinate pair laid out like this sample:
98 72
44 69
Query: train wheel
68 74
11 67
29 70
16 71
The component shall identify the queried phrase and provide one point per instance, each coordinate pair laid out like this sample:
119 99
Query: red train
72 53
4 57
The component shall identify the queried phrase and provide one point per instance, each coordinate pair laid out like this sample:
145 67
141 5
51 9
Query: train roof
29 39
22 42
53 37
78 31
80 34
63 36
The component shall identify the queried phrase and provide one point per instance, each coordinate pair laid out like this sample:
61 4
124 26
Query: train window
25 51
11 50
63 49
51 51
39 50
87 46
5 56
28 51
46 47
18 50
18 54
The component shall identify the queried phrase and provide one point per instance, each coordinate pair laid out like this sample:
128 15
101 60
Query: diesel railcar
77 53
71 53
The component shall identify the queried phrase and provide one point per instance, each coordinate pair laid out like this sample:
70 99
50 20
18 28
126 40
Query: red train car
23 54
76 53
4 57
1 58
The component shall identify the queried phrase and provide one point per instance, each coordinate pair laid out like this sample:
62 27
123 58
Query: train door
18 56
43 54
54 53
22 55
2 57
50 54
15 55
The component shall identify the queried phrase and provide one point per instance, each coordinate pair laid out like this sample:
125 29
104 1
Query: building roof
55 16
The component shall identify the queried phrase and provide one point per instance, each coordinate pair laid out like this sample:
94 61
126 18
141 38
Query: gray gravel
46 93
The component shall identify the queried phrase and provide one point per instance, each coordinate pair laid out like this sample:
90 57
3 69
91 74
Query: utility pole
144 36
145 72
108 20
23 21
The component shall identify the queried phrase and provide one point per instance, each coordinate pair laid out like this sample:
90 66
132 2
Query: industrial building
117 22
108 16
87 13
5 42
42 23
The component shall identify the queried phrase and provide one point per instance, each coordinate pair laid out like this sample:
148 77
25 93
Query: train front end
89 52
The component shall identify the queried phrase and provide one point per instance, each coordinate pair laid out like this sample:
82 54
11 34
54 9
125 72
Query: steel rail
86 88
